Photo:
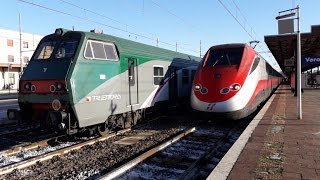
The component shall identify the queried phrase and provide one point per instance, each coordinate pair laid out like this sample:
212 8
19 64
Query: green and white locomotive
85 80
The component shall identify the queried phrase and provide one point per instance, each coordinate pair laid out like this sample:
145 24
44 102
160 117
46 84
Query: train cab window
110 51
255 64
185 76
88 52
228 56
157 75
100 50
44 50
66 49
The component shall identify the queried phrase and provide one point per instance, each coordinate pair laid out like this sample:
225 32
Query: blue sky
170 21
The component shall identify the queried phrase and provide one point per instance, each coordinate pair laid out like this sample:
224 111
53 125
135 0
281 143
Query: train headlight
59 86
235 87
27 86
225 90
58 32
197 87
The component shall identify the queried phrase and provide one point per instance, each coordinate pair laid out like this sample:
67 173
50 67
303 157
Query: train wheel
103 128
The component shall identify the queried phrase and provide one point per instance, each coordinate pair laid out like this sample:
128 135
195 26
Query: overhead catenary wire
99 23
243 26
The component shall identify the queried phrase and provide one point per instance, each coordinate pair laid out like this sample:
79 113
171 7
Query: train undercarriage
66 121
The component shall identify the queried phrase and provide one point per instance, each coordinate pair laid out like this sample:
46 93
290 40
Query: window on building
26 59
100 50
11 79
157 75
10 58
25 44
10 42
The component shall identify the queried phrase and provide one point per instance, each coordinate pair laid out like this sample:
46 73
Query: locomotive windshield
61 49
66 49
228 56
44 50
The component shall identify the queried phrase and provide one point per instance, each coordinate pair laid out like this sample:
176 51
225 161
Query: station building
10 53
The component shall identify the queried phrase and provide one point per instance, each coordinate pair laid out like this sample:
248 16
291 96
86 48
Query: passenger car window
157 75
185 76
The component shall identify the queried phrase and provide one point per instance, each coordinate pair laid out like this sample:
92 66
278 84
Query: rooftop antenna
252 42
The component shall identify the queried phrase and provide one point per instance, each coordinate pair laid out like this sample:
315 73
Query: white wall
6 50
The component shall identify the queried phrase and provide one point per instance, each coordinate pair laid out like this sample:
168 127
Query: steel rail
18 149
122 169
28 162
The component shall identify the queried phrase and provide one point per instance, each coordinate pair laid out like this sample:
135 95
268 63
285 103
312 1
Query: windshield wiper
217 60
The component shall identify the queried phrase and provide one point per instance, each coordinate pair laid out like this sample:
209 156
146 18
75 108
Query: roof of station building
284 46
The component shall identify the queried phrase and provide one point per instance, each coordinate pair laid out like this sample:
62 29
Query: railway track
191 157
35 153
96 158
23 137
12 128
96 155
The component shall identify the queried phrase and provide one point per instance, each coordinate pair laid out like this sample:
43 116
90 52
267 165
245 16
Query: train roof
132 47
230 45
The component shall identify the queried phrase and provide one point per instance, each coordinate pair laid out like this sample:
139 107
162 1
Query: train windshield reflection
65 49
44 50
230 56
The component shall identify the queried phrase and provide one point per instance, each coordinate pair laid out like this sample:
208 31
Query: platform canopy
284 47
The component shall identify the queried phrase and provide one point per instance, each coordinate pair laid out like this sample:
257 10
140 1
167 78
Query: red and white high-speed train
232 81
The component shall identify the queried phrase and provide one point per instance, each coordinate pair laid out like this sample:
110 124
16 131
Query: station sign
311 60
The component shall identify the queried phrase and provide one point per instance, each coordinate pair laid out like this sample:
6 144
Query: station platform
279 146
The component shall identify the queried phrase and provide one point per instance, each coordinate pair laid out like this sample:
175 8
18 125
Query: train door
133 97
173 84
